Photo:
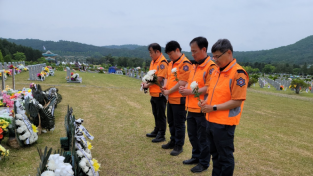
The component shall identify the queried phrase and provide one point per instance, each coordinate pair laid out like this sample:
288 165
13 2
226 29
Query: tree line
298 53
285 68
10 52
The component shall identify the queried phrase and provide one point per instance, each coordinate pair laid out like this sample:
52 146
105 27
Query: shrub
298 84
253 79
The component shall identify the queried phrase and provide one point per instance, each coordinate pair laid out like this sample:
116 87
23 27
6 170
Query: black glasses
216 57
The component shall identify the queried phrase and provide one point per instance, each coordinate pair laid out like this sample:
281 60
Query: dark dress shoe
152 134
158 139
169 145
177 150
198 168
191 161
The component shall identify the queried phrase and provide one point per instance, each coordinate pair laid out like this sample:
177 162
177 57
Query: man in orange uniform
196 121
176 114
158 100
226 94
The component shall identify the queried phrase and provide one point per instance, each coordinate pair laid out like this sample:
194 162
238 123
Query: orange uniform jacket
183 66
160 65
229 84
201 74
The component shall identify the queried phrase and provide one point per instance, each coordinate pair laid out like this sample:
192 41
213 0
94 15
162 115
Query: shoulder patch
186 68
162 66
241 82
241 71
211 71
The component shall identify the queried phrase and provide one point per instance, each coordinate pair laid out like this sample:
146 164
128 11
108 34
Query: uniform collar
204 61
158 59
200 62
179 59
229 66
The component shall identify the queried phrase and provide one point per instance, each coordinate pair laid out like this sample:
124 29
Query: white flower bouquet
174 71
151 77
89 165
26 131
57 167
195 89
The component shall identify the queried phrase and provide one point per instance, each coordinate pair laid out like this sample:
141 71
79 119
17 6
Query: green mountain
297 53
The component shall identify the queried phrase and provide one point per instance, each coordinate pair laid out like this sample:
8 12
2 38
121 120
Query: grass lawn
274 137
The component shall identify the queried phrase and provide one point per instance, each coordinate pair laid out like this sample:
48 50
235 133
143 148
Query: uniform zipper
192 81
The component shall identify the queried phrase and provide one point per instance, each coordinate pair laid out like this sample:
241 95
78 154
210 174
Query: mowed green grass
274 137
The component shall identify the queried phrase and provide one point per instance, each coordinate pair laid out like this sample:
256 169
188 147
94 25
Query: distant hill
131 47
298 53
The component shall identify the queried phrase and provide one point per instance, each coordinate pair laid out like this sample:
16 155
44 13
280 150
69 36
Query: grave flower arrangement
1 134
17 70
11 66
46 69
5 76
8 100
3 152
89 165
8 73
57 167
74 77
41 75
26 131
195 89
4 123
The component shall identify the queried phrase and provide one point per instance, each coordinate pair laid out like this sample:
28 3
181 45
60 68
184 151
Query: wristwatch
214 108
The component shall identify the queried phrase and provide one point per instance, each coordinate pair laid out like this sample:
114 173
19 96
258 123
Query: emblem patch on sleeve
241 82
211 71
162 66
186 68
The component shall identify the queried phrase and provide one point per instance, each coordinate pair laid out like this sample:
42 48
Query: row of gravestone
34 70
278 82
134 74
6 66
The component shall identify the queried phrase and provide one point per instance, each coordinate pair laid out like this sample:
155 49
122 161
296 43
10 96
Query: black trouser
221 139
158 109
196 127
176 118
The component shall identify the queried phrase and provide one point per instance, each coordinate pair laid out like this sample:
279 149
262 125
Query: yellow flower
3 151
96 165
29 91
34 128
89 145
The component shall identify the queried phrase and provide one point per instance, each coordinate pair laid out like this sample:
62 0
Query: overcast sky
248 24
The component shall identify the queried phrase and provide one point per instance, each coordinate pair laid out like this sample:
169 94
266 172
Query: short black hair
155 47
172 46
222 45
201 42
